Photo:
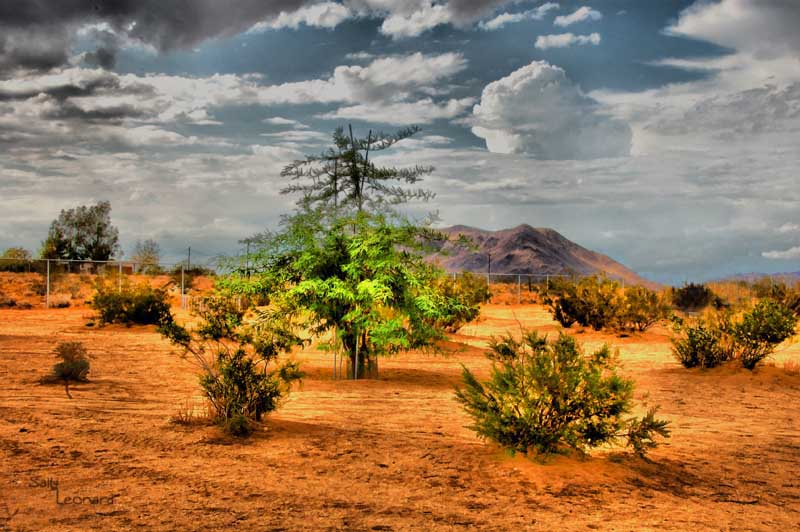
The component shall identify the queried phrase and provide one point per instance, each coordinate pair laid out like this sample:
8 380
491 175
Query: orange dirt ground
391 454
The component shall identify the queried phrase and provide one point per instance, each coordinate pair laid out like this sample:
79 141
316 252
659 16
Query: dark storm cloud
89 87
35 34
469 10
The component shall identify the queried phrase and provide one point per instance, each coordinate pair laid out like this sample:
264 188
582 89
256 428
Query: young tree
147 255
82 233
345 178
346 266
15 259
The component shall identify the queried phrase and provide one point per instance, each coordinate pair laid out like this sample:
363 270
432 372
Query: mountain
789 277
527 250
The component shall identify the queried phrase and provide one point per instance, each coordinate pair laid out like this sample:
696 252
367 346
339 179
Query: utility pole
189 259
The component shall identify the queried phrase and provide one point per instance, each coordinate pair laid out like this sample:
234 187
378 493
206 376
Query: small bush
548 397
700 345
760 331
74 365
695 297
140 304
239 373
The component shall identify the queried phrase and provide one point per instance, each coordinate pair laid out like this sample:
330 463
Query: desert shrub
73 365
549 397
700 345
640 309
694 297
129 304
239 370
748 338
7 302
758 333
591 302
460 300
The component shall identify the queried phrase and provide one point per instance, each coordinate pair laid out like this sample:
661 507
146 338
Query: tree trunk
367 366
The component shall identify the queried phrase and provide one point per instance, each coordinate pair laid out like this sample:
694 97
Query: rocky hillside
527 250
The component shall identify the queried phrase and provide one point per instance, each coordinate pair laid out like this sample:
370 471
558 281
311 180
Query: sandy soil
391 454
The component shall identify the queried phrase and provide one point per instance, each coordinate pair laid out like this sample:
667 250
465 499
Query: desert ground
386 454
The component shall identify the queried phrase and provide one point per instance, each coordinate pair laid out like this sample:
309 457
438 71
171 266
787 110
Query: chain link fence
57 283
54 283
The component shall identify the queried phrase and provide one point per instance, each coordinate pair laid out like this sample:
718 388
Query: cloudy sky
664 133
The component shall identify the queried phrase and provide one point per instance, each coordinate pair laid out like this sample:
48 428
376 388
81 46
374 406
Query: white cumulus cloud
537 110
563 40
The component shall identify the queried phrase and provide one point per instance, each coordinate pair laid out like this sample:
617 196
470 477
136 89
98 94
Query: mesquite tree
345 267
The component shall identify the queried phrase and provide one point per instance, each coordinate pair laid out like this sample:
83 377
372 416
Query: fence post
119 277
183 304
47 293
547 282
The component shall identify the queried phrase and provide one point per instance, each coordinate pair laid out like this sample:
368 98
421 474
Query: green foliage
760 330
590 301
15 259
549 397
694 297
82 233
461 297
345 265
74 364
699 345
140 304
239 370
749 338
220 317
343 179
640 309
601 303
146 256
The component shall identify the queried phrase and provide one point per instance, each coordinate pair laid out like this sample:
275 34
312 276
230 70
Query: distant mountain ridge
755 276
527 250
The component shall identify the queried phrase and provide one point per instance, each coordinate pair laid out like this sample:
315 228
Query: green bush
748 339
700 345
695 297
140 304
546 398
640 309
591 302
760 331
239 373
